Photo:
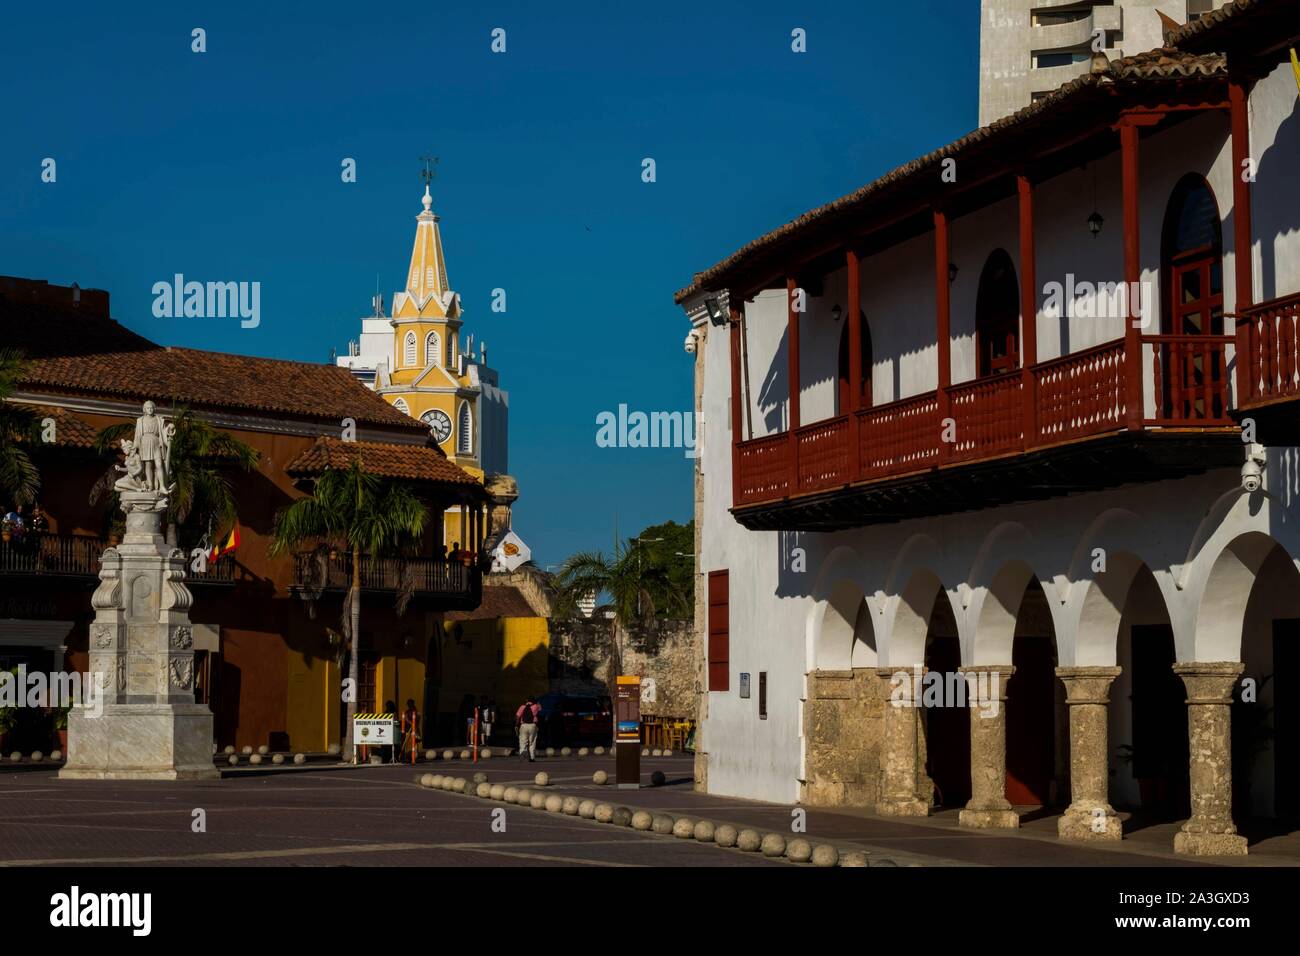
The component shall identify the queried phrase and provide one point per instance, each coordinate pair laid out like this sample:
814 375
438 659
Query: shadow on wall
1273 220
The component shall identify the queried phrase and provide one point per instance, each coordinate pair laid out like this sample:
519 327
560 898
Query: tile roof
1162 64
69 430
72 351
499 600
412 462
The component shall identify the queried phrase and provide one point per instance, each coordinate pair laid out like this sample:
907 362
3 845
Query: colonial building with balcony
1018 417
267 628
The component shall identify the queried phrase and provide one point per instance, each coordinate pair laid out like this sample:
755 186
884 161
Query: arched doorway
1149 711
845 389
945 716
1034 704
997 317
1191 259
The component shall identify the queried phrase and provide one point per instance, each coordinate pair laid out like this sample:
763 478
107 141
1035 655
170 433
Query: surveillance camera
692 342
1252 472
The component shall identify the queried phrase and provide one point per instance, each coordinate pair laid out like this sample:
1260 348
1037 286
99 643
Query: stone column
898 750
987 696
1210 831
1090 817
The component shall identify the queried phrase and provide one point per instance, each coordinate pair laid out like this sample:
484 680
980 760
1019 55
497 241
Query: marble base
141 742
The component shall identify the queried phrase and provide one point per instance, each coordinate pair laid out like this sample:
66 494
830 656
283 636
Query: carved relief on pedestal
183 637
182 672
101 635
176 596
121 674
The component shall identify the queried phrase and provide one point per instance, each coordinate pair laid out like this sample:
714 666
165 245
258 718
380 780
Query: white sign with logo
374 730
510 553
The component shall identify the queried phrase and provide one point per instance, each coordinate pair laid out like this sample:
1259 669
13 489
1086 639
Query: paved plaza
324 814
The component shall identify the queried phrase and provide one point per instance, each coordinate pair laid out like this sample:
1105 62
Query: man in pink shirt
526 718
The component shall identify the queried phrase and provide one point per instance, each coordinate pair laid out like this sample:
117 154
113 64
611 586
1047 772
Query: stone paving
325 814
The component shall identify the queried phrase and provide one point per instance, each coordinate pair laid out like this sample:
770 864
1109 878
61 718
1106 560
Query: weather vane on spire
428 174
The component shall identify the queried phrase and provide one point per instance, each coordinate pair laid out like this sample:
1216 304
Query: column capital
1209 682
1087 685
905 691
994 677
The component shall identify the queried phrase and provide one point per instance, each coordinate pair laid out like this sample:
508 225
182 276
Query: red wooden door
1196 308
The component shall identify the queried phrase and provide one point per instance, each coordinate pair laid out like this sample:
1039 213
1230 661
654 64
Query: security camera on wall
1252 472
692 342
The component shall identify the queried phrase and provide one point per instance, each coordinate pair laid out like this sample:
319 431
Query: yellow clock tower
415 359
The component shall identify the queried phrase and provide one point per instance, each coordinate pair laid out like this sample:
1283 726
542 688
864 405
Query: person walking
487 717
526 725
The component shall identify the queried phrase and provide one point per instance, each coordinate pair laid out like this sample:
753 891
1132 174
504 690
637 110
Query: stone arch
844 637
1228 585
1102 608
995 625
911 624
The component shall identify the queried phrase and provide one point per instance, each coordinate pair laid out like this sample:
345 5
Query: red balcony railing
1081 394
1077 396
1272 357
989 417
1190 374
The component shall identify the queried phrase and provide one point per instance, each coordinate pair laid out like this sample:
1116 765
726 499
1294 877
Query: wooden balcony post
1243 252
736 400
1128 138
793 374
855 362
1028 310
943 316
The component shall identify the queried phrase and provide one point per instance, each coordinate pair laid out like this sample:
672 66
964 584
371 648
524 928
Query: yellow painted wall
504 659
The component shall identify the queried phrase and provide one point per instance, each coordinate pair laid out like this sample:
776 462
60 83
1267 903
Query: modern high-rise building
1028 48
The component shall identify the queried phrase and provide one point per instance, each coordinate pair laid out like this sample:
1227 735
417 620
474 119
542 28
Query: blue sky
226 166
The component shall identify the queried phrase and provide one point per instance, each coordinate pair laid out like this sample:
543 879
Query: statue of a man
151 442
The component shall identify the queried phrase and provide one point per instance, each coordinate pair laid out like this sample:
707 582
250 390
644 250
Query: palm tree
19 478
631 579
364 514
200 455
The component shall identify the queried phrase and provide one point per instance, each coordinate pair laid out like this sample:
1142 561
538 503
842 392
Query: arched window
409 357
432 349
997 317
1192 382
1192 260
465 431
845 389
401 406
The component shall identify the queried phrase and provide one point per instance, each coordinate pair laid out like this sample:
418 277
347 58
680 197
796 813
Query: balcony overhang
1093 464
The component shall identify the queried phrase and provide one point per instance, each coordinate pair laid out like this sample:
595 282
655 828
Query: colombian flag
232 542
1295 65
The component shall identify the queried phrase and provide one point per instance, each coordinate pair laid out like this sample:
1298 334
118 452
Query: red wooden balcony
1267 333
1075 398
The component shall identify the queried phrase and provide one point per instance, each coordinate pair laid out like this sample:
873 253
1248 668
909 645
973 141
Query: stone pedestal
1210 831
986 694
898 751
1090 817
141 655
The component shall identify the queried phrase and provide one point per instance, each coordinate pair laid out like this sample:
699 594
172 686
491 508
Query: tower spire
427 277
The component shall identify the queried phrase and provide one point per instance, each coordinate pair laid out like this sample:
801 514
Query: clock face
438 423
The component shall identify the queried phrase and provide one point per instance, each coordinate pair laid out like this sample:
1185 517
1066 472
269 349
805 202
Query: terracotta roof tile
412 462
69 430
71 351
1200 30
1156 65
